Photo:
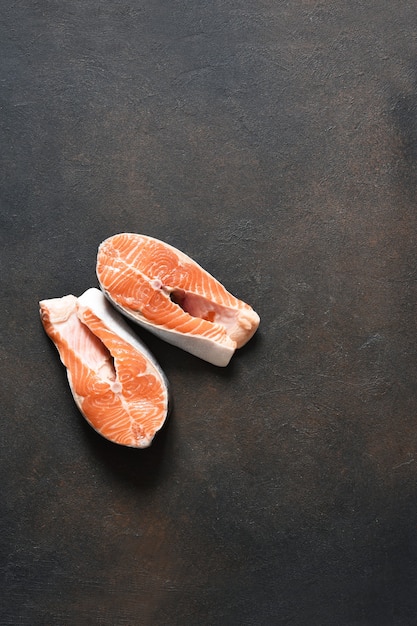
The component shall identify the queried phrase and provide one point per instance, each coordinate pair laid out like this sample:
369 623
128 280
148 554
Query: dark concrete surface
276 143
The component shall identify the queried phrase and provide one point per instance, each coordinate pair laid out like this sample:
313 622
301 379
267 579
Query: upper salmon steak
171 295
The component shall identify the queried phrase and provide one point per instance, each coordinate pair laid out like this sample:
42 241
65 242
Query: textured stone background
276 143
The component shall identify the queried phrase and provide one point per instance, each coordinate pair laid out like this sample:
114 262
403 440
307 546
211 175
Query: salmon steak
171 295
116 382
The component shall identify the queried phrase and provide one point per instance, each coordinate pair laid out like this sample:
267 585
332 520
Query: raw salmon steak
116 382
168 293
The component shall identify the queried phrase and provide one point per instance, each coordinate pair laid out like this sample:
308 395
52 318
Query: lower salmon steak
116 382
169 294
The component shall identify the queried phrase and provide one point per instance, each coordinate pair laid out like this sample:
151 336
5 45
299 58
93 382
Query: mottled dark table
276 143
